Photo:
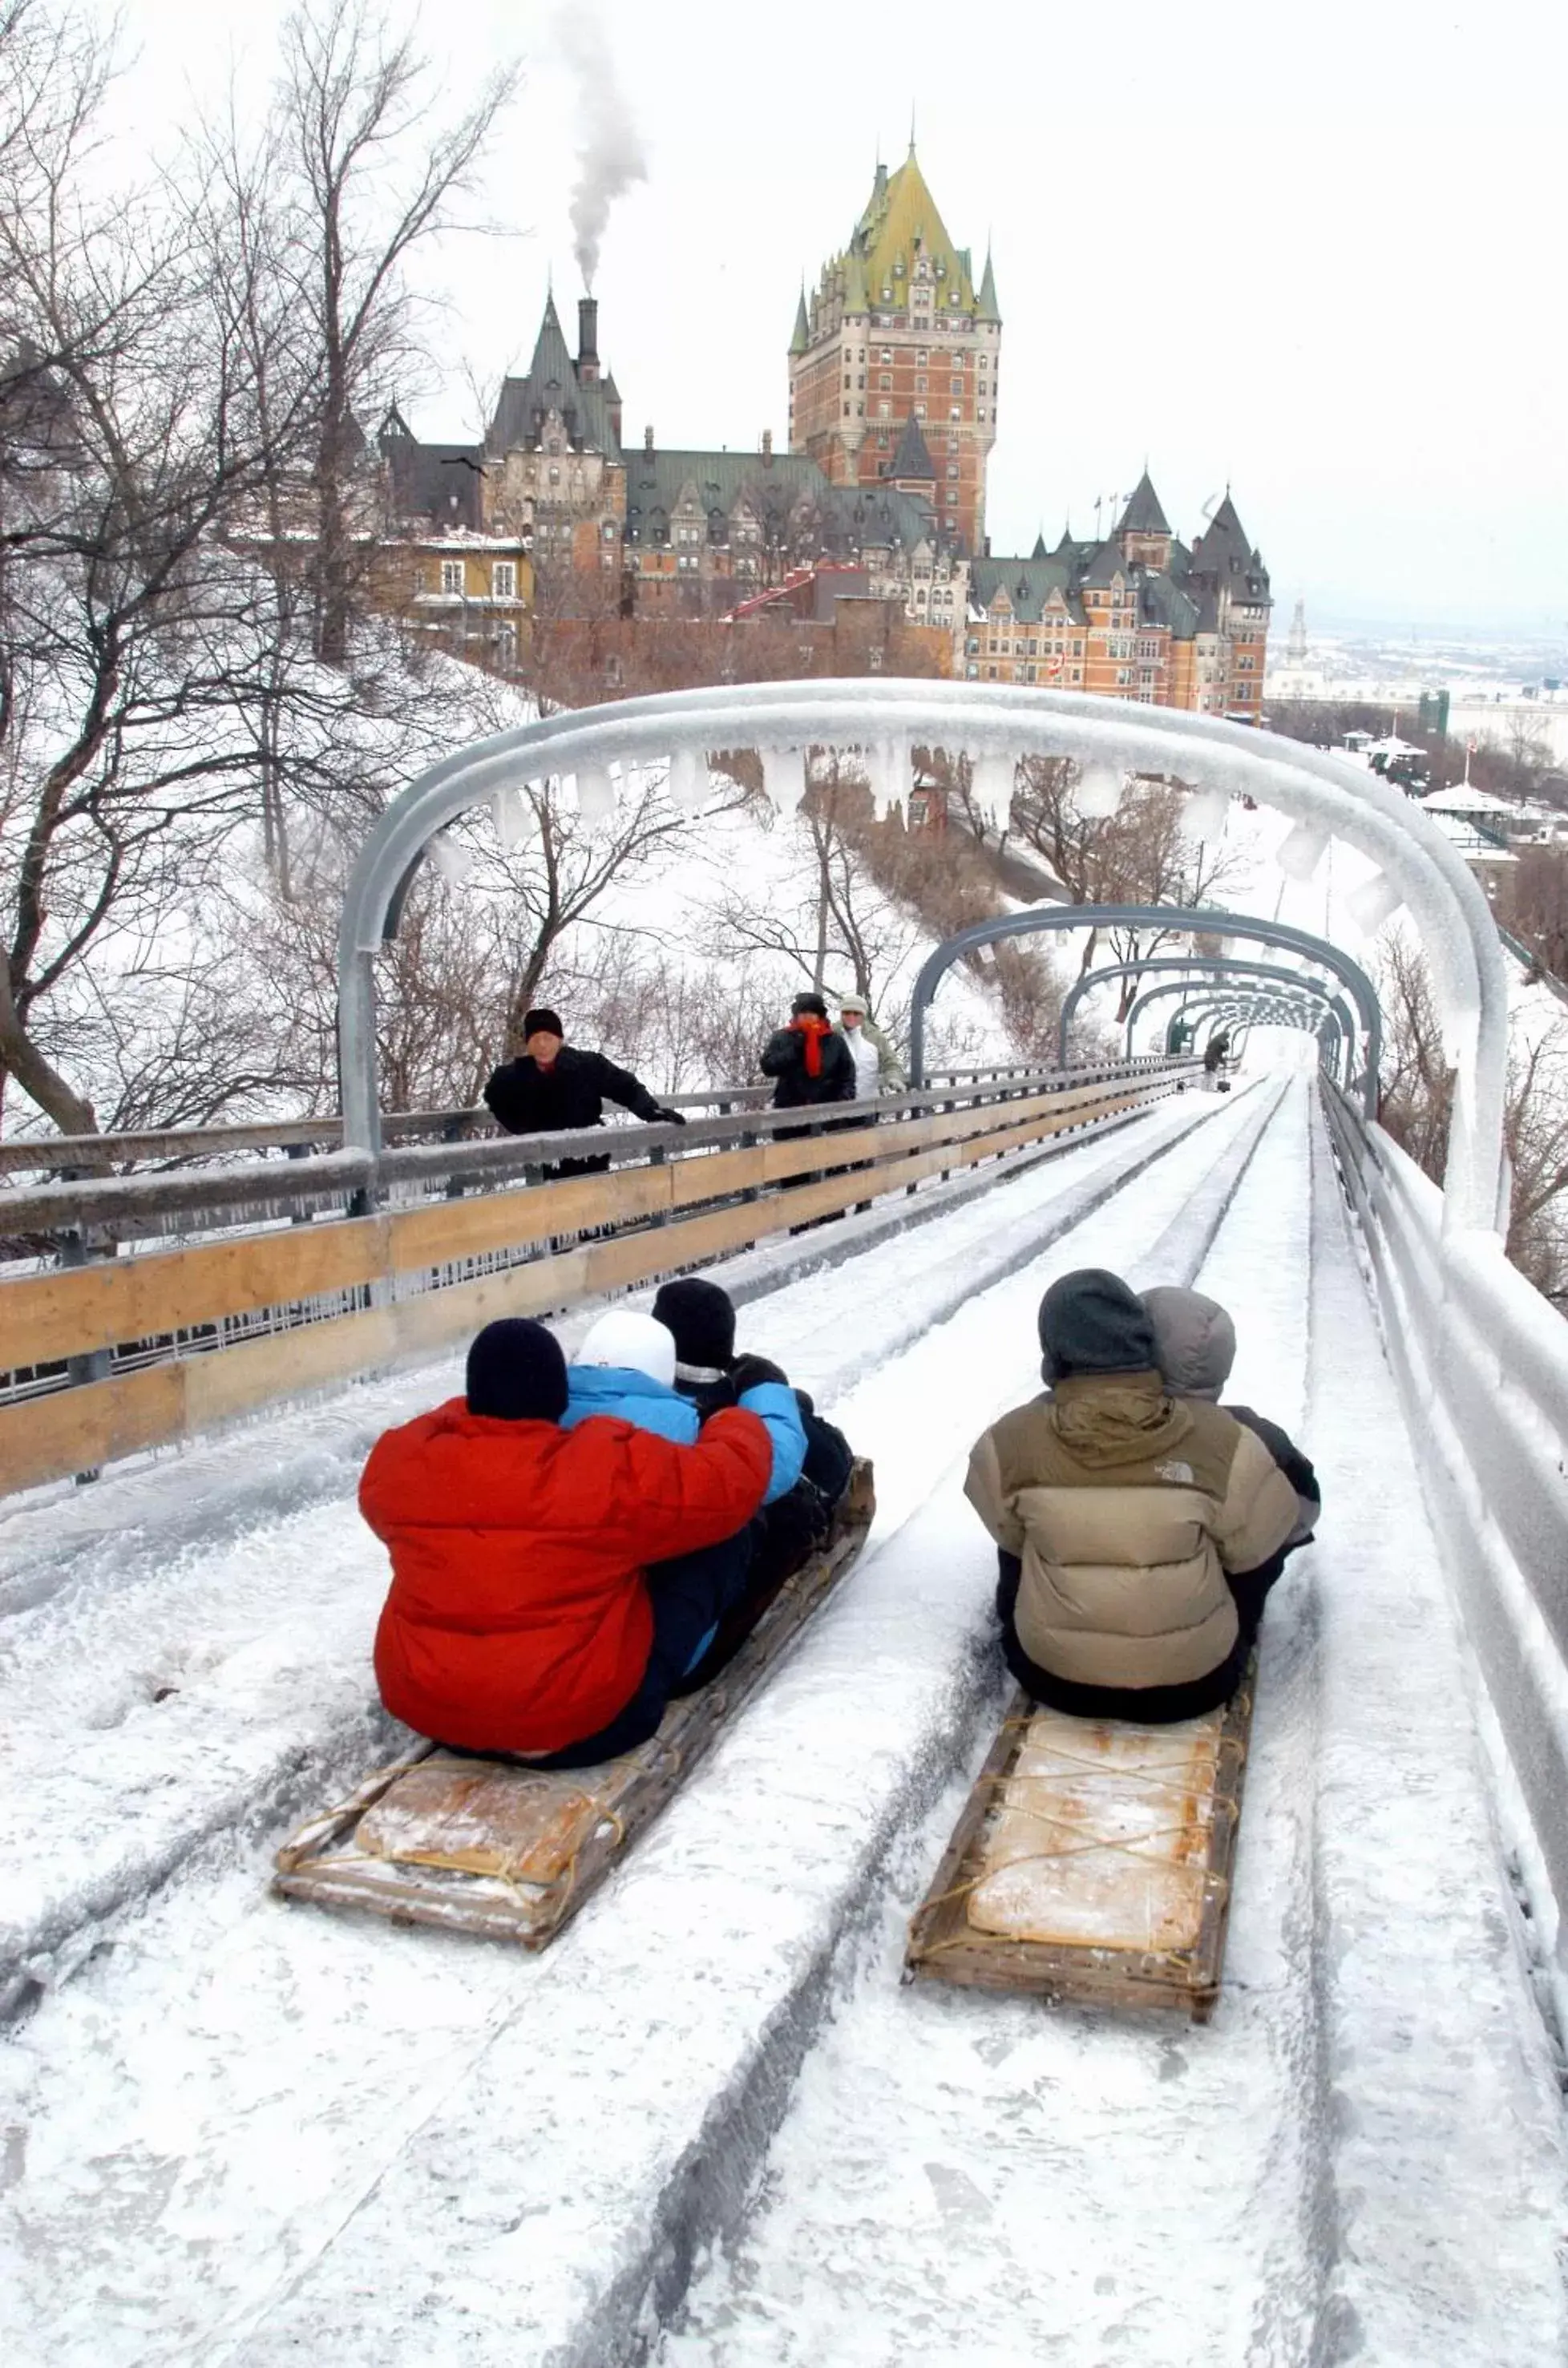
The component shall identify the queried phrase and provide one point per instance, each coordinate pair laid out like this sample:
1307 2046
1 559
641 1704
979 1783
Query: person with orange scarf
808 1063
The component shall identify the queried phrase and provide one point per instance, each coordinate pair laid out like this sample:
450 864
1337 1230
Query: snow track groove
251 2125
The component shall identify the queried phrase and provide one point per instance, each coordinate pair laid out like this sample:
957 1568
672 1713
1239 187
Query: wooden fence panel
66 1313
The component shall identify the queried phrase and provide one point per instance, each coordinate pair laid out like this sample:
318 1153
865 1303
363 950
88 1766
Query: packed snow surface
241 2132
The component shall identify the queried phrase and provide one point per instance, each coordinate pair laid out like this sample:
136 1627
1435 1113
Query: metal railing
154 1305
1482 1362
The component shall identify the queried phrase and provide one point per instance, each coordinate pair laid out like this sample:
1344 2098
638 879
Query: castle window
952 468
451 575
956 414
885 379
504 580
884 411
958 386
920 360
555 476
919 386
608 529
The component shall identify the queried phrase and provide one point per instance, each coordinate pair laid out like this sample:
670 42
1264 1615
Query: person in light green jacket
876 1064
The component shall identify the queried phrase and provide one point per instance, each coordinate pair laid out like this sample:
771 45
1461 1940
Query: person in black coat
702 1318
556 1085
808 1063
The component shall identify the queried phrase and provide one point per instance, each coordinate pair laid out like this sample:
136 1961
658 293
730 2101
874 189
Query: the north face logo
1182 1473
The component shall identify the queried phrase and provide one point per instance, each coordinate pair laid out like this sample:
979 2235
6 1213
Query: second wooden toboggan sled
494 1847
1093 1861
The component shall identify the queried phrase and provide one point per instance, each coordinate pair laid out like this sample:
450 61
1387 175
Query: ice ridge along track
241 2133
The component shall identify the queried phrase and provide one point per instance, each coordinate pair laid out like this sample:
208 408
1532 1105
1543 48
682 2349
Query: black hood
1090 1321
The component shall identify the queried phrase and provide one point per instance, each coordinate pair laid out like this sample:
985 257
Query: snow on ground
213 2097
245 2132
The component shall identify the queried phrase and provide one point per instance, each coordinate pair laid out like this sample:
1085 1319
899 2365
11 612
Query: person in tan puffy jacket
1120 1514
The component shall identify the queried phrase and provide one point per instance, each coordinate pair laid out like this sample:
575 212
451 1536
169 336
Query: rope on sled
1216 1885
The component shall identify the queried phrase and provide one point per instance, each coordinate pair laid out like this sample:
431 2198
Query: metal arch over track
1197 919
1277 1012
998 722
1263 976
1264 1011
1189 964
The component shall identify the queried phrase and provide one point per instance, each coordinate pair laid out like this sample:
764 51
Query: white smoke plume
612 155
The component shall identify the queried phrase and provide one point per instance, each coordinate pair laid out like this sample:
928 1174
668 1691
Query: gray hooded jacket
1195 1343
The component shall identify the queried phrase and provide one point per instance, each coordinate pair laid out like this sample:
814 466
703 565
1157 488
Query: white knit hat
855 1003
629 1341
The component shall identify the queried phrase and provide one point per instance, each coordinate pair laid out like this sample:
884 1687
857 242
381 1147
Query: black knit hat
517 1372
808 1006
702 1318
1090 1321
548 1021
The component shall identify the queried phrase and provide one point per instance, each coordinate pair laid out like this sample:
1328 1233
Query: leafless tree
1139 855
129 424
1535 904
1416 1103
367 181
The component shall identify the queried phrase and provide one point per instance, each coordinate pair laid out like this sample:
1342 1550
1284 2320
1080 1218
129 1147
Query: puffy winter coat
1127 1508
784 1060
518 1618
527 1099
1197 1344
635 1398
829 1458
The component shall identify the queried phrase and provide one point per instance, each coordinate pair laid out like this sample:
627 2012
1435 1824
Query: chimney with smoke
588 340
610 153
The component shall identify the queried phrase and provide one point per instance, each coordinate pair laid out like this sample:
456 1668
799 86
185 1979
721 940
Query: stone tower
896 330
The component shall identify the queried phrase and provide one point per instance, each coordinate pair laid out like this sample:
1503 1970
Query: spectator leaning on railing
555 1086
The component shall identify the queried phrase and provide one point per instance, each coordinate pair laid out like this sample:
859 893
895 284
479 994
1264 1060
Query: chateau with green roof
896 333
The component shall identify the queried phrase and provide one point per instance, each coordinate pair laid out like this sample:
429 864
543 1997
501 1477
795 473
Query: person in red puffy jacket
520 1619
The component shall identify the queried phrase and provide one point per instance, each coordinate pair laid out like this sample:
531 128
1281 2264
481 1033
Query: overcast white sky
1315 250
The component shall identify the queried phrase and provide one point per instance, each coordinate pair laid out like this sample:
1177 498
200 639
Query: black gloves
750 1373
675 1117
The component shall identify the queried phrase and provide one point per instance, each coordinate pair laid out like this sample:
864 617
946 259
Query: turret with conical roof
1143 530
896 332
912 466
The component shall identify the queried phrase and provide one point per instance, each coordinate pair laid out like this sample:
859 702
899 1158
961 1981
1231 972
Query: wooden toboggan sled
1093 1861
494 1847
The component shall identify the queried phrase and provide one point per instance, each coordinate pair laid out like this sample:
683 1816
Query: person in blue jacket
625 1369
